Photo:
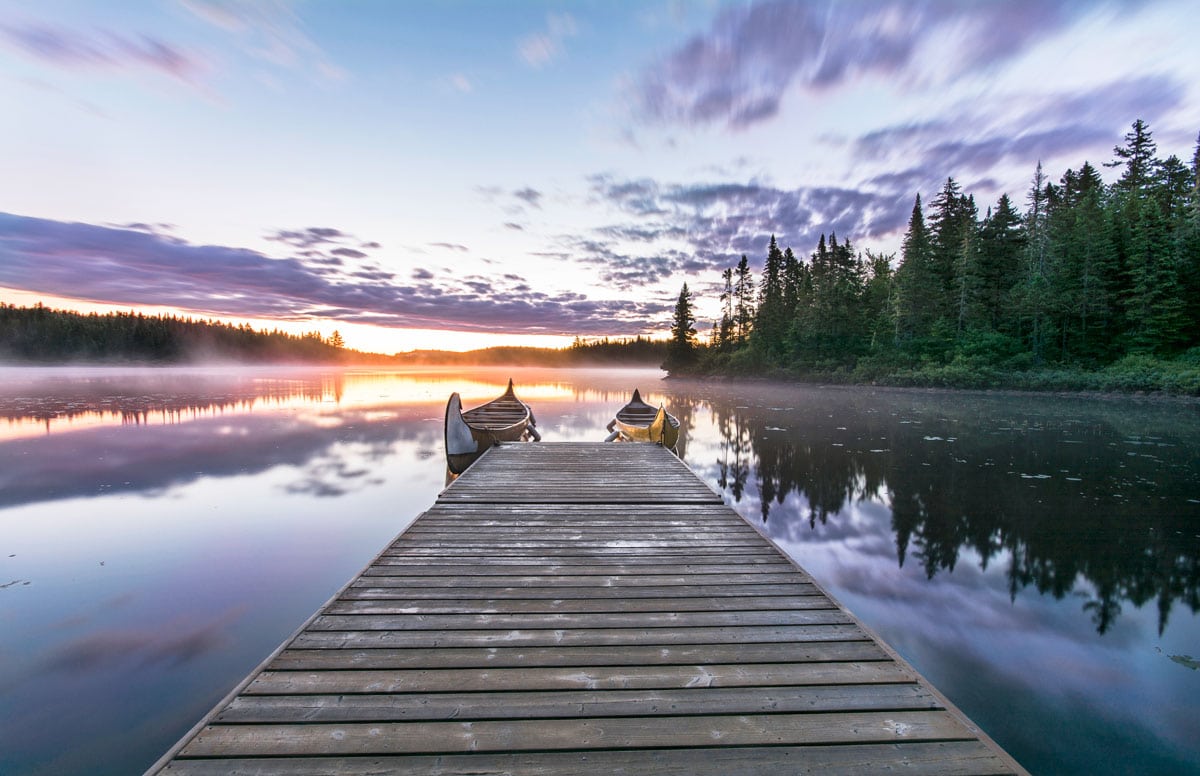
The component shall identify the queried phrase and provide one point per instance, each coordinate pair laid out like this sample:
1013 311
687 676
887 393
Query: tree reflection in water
1094 498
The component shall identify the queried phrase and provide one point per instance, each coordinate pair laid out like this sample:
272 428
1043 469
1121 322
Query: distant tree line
1089 276
39 334
42 335
604 351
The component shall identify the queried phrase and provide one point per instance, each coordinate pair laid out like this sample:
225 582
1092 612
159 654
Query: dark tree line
1125 552
41 335
1087 274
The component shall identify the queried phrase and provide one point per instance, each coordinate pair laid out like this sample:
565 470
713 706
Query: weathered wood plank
649 621
574 734
573 678
621 655
377 574
461 705
575 605
601 555
364 590
584 637
591 569
942 758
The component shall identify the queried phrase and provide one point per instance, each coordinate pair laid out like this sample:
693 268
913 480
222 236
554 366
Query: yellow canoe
638 421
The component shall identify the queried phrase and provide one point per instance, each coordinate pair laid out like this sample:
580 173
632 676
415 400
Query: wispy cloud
540 48
975 138
269 31
101 50
530 196
738 72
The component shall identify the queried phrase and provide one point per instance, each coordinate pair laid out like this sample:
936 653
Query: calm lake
163 530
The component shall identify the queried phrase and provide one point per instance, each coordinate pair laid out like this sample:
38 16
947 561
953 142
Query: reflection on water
162 530
1059 499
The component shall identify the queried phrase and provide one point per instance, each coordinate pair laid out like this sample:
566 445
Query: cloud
176 646
313 235
101 50
740 70
975 138
513 226
131 267
269 32
718 222
461 83
450 246
529 196
540 48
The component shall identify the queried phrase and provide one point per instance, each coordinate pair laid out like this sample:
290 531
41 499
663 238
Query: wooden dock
575 608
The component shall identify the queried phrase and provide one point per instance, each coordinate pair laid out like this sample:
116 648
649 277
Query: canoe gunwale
503 419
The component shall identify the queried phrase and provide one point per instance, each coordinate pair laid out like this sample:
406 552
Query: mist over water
163 530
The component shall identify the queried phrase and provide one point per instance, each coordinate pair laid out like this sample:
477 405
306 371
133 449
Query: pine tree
1035 296
724 333
1137 156
745 308
1000 246
1189 254
917 287
770 321
1155 306
682 349
968 283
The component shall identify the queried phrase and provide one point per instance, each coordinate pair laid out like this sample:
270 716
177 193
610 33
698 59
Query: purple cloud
131 267
718 222
738 71
100 50
1018 131
450 246
529 196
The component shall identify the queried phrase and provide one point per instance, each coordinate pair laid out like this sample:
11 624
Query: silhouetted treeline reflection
1094 500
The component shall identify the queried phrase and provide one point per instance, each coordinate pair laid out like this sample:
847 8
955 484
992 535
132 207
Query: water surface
162 531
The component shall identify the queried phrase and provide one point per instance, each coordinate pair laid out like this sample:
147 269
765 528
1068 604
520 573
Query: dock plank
583 608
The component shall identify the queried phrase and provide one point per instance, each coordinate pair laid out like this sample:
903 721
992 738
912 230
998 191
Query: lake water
163 530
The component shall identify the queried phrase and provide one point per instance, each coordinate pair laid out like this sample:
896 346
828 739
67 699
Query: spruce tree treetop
1137 156
681 352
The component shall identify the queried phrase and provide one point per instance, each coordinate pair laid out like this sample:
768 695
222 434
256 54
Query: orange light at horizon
368 338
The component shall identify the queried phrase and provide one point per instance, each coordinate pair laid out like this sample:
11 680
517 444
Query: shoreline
1141 396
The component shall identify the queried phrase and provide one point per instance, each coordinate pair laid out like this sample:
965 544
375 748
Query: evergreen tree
745 308
1155 305
1137 157
770 321
917 286
999 264
1189 254
682 349
724 336
1035 295
968 281
878 300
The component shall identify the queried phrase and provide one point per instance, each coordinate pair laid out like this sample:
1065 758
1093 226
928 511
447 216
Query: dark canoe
638 421
468 434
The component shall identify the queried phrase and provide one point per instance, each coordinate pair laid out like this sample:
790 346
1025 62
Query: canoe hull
640 422
469 433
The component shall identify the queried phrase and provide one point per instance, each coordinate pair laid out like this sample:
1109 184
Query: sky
471 173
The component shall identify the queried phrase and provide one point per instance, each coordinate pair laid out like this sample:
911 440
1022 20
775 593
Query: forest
1088 286
40 335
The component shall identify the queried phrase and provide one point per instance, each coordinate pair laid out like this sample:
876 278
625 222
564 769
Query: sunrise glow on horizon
431 176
